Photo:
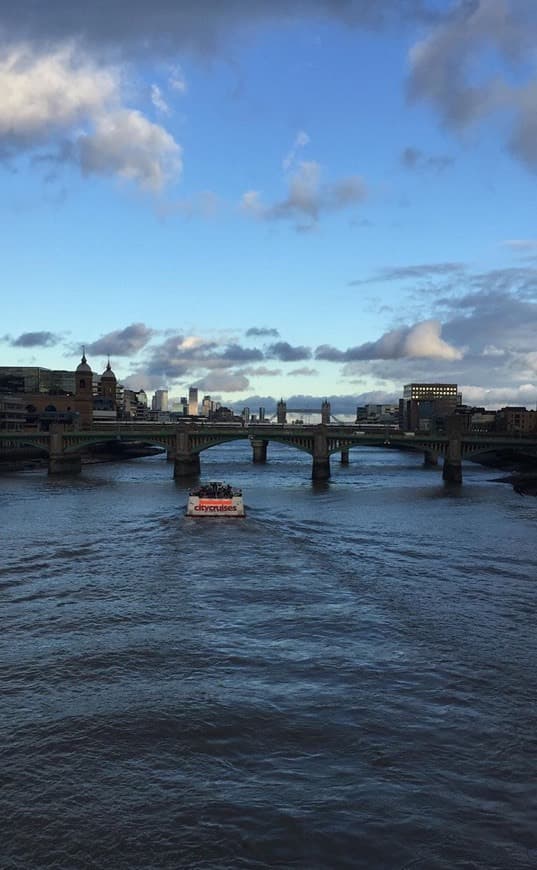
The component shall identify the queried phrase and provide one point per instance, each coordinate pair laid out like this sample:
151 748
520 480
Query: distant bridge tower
326 412
281 412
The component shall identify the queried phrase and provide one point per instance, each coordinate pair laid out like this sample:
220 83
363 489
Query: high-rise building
206 406
430 391
193 402
160 401
423 405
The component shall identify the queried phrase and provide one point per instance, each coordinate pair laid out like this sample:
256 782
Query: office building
425 406
193 402
160 401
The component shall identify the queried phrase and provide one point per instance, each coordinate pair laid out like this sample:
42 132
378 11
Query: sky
298 200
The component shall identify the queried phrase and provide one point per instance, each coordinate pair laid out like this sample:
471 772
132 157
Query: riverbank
33 459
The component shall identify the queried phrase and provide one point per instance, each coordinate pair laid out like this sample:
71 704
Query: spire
83 354
108 367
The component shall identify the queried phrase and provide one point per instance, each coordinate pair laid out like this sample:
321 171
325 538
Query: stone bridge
184 442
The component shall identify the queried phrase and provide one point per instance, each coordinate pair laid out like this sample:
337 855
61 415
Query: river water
345 678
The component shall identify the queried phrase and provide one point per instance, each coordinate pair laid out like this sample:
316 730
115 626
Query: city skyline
330 200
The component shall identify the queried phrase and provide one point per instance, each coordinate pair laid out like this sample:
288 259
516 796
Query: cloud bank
423 340
307 197
60 98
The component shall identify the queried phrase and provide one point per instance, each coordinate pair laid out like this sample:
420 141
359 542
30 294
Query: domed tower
84 379
84 391
109 384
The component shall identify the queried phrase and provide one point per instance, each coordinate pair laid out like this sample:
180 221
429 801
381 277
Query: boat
215 499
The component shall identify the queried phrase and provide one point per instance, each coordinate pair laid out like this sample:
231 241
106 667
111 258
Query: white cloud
525 395
424 340
126 144
62 96
421 341
158 100
43 93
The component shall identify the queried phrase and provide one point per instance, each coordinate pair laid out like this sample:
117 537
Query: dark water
347 678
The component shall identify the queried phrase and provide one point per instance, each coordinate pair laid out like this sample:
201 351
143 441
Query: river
344 679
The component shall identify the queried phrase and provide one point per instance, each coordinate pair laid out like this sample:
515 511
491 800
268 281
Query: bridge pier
452 470
187 465
344 457
60 462
321 458
430 458
259 450
186 462
64 463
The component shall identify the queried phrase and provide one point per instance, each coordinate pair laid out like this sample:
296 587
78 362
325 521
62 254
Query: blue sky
330 199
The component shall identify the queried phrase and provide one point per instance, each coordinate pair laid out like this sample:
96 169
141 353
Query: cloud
236 354
421 271
262 331
227 382
285 352
414 159
35 339
262 372
158 100
524 394
126 26
176 79
180 356
482 318
301 140
50 91
126 144
60 97
448 69
303 372
421 340
307 197
521 246
122 342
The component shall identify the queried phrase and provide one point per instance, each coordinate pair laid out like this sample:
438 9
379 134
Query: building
12 412
207 407
160 401
35 379
424 407
378 414
516 420
49 396
105 403
193 402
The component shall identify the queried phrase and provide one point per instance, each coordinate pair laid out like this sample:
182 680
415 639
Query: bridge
186 441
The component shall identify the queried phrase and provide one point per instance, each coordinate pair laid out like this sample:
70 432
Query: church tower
84 392
109 384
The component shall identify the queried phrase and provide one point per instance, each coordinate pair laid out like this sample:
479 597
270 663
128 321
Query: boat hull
215 507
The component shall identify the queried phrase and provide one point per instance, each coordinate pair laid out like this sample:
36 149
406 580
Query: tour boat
215 499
